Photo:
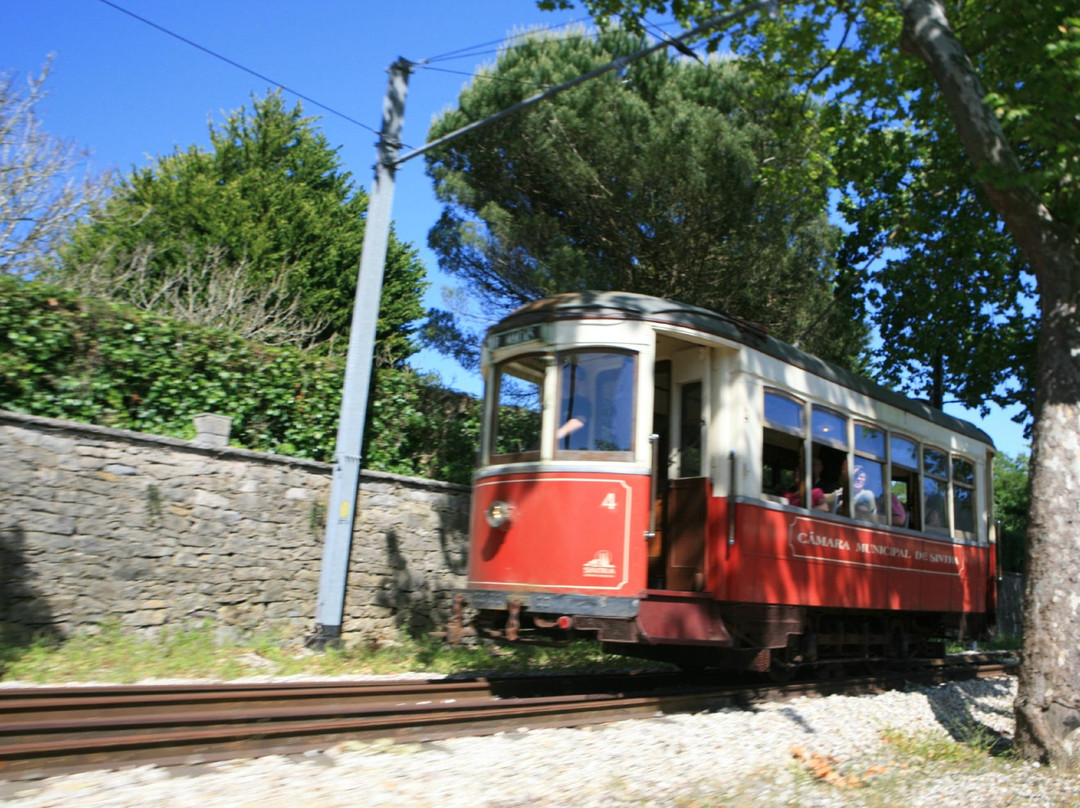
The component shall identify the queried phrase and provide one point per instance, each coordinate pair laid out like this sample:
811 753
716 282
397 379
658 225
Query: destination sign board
825 541
519 336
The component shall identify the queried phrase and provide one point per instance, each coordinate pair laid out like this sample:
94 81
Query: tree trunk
1048 701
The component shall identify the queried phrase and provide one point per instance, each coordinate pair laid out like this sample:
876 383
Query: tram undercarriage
774 639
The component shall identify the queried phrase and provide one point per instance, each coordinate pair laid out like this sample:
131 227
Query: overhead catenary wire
425 64
239 66
471 52
483 76
518 41
688 36
679 46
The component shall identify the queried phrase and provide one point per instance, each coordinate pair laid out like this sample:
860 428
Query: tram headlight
498 514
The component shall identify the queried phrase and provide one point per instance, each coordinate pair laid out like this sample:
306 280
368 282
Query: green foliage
88 360
696 182
1001 642
64 356
271 197
1011 509
419 428
911 193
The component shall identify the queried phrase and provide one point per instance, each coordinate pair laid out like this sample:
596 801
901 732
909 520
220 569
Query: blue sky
128 92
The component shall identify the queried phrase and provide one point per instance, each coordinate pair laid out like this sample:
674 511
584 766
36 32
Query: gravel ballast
895 749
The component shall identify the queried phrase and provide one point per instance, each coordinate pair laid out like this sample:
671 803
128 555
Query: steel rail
45 731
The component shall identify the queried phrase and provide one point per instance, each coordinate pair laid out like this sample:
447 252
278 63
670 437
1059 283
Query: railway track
55 730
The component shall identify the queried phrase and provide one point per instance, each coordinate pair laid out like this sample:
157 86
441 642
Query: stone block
145 618
52 443
273 591
244 574
47 543
184 559
229 518
49 523
212 429
242 614
210 500
135 569
120 470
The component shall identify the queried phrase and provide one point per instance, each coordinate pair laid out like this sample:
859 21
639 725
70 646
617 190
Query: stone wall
100 524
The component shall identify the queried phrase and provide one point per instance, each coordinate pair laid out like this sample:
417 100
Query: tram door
679 420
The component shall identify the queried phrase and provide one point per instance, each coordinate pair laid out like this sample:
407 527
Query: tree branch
927 35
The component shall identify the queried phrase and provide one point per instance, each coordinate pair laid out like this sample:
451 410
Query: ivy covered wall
65 356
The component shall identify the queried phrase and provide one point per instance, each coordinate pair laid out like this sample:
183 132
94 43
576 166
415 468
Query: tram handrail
731 502
654 439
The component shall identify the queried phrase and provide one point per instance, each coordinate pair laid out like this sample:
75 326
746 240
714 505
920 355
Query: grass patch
1004 642
114 655
976 744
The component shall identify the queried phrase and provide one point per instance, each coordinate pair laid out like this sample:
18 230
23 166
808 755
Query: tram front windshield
594 397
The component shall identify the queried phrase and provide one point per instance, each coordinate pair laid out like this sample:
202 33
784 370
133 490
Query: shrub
66 356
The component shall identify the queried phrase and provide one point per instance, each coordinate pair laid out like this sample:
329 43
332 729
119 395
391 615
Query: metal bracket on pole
344 487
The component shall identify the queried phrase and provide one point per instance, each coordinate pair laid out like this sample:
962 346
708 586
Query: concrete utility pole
341 512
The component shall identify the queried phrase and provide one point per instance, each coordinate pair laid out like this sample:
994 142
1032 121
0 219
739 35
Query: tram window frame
832 447
871 461
560 445
691 429
940 477
783 438
908 476
535 375
969 530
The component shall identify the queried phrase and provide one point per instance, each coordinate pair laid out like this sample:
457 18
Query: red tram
685 487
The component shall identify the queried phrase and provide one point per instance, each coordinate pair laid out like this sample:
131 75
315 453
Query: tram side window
935 490
963 478
904 475
868 477
829 452
596 402
690 408
781 447
515 429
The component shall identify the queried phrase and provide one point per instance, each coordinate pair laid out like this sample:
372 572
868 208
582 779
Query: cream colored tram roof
627 305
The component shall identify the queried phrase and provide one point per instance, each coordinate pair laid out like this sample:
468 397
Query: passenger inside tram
833 477
570 426
935 511
596 402
905 497
794 495
899 515
863 498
